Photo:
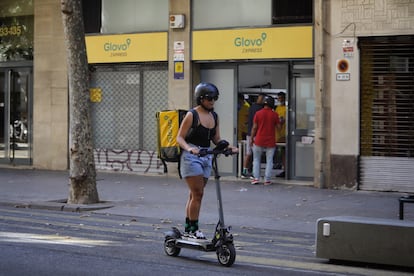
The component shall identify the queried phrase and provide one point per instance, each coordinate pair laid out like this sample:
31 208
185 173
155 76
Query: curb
58 206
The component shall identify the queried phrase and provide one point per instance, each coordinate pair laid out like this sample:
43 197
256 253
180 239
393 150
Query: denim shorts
193 165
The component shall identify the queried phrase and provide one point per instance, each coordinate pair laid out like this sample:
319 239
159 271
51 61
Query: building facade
350 111
365 82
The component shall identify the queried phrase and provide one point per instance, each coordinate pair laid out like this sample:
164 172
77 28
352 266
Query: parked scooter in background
18 131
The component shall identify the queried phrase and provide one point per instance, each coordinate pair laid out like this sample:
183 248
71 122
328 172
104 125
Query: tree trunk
82 166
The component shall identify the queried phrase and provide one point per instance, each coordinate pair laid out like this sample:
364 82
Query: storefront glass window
246 13
292 11
132 16
16 30
231 13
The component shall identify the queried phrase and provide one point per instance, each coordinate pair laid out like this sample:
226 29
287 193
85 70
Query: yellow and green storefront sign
127 48
256 43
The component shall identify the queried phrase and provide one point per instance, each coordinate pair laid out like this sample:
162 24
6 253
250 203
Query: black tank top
200 135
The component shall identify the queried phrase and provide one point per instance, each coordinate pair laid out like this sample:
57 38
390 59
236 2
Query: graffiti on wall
138 161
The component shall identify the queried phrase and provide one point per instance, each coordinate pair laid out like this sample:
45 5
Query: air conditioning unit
177 21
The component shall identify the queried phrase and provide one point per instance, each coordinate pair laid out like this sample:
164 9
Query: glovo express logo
117 49
169 128
250 45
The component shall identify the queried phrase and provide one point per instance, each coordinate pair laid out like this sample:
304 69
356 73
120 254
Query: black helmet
269 101
281 94
204 89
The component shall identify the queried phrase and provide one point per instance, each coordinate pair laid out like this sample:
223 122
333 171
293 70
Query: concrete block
364 239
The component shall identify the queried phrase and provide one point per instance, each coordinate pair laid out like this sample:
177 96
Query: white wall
350 19
344 105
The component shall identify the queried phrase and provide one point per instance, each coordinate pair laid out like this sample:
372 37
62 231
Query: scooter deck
193 243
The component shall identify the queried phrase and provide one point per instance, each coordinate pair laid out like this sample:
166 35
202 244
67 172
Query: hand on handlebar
231 150
227 151
195 151
203 152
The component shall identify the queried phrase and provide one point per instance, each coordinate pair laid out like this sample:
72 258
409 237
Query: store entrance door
302 125
15 115
224 78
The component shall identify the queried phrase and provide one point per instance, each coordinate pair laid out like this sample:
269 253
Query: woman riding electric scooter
197 160
196 169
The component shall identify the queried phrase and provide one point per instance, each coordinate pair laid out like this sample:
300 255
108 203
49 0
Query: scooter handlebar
221 148
226 152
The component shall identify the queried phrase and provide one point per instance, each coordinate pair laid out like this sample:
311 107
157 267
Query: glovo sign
260 43
127 48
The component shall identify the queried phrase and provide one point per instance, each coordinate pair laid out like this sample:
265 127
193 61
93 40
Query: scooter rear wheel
226 254
170 248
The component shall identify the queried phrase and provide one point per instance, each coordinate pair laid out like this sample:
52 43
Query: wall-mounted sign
178 60
178 51
127 48
256 43
348 48
343 76
342 65
342 70
178 70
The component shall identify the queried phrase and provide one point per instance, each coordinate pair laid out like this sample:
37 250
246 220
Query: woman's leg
196 185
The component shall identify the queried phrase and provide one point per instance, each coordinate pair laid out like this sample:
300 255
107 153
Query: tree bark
82 175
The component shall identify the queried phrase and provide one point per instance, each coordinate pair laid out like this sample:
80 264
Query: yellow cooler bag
169 122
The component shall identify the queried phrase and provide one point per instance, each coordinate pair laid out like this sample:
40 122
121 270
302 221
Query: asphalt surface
282 206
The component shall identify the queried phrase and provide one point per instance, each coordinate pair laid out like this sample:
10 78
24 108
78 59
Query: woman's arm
186 124
217 137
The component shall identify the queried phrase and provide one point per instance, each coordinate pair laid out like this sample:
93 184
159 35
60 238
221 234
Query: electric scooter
222 241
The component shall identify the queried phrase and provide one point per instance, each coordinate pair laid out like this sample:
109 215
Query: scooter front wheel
226 254
170 248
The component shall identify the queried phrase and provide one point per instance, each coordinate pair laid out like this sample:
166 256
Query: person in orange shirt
280 133
242 117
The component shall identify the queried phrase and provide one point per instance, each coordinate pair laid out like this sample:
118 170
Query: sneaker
282 174
267 183
198 235
244 176
255 181
278 166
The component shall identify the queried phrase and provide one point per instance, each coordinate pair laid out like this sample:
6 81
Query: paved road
42 242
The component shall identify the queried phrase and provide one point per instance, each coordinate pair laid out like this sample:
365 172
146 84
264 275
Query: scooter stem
218 192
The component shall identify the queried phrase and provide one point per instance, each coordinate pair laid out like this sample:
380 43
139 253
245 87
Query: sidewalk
279 206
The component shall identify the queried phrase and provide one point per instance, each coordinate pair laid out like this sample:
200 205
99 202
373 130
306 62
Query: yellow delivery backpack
168 122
